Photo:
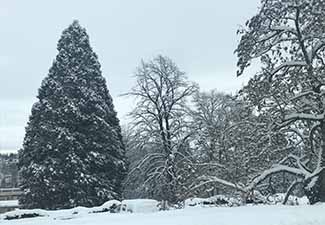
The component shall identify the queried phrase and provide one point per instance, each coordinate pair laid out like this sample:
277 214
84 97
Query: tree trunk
315 187
171 183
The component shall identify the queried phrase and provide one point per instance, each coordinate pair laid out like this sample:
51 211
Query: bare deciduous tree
288 37
232 144
159 119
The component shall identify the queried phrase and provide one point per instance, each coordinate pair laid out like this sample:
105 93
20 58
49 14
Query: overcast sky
199 35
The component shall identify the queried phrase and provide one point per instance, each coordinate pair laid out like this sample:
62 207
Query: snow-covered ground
246 215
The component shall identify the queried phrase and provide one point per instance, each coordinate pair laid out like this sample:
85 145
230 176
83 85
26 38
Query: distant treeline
8 170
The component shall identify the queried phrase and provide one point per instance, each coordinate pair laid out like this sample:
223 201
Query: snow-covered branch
213 180
289 64
276 169
304 116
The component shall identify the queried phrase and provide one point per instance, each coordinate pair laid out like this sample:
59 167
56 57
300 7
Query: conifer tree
73 154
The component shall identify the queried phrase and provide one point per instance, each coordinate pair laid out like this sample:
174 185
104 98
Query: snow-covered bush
256 197
278 198
21 214
217 200
112 206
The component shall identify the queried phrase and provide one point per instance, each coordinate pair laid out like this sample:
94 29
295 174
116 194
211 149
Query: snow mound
21 214
194 202
140 206
112 206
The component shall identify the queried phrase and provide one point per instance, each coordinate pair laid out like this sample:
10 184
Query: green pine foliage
73 154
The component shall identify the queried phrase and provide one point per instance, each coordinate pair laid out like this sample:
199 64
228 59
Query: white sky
200 36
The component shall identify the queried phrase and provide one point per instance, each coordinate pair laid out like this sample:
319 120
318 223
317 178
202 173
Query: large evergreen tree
73 152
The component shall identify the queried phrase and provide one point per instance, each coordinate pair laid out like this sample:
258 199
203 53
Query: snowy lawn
246 215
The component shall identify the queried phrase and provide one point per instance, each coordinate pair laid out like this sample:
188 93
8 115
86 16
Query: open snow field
246 215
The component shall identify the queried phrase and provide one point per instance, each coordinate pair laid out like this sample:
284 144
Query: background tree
136 150
288 37
73 152
8 171
159 119
231 143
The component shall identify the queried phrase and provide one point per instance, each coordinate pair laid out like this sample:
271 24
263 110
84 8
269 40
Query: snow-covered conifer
73 152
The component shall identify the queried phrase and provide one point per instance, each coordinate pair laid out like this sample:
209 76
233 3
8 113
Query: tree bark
315 187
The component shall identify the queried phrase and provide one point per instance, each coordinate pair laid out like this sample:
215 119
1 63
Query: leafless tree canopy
159 117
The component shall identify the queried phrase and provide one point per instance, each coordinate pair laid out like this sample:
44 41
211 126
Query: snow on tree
161 128
288 38
232 144
73 154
